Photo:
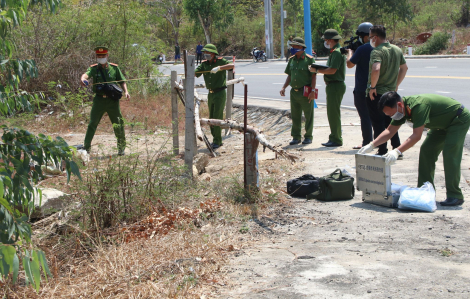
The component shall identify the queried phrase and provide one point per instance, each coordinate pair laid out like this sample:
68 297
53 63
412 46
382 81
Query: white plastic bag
398 189
418 199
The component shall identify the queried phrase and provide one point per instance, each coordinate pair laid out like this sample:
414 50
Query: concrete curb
326 58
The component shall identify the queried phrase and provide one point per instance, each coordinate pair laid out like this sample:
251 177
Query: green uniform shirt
390 58
112 73
336 61
213 81
297 69
431 110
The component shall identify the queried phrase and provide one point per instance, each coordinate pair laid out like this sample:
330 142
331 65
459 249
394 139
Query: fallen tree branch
200 135
250 129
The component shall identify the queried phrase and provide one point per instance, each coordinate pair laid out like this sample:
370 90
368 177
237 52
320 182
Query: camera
353 43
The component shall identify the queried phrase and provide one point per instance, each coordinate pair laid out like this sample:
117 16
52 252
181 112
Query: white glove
366 149
215 70
391 157
312 69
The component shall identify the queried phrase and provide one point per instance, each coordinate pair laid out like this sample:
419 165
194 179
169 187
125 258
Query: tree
21 156
327 14
172 12
210 12
387 12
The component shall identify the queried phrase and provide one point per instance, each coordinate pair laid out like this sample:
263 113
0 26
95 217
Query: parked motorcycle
258 55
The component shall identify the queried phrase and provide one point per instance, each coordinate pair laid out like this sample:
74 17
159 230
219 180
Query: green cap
210 48
298 41
331 34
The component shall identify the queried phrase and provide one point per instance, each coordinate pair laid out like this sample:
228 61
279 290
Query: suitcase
373 178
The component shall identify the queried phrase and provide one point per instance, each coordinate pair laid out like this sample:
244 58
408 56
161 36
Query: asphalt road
449 77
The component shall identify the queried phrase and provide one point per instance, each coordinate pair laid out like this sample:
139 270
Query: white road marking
431 67
400 89
263 67
351 86
278 83
443 91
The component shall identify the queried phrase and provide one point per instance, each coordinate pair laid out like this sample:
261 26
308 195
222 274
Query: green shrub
437 42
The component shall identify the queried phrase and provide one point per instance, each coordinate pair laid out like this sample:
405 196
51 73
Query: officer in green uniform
448 122
101 103
300 79
215 82
334 77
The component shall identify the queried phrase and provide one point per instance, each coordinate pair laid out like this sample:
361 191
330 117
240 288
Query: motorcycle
258 55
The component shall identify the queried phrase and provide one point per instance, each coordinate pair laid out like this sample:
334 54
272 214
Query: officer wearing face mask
448 122
302 92
214 71
334 77
101 103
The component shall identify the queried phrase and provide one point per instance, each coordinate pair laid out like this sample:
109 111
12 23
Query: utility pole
268 29
307 27
282 29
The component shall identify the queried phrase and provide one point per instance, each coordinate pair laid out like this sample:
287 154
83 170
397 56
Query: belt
217 89
101 95
460 110
326 83
301 88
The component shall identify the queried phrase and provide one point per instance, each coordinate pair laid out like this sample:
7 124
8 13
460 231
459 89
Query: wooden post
190 131
251 162
174 113
228 104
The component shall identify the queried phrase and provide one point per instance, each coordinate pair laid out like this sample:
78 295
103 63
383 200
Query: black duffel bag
111 90
303 185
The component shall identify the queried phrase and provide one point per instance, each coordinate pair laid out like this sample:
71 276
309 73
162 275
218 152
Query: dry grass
173 266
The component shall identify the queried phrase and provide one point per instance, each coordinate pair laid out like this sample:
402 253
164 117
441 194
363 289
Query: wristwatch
370 87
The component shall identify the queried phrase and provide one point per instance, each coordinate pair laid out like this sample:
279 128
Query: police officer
213 69
101 103
334 77
360 58
448 122
300 80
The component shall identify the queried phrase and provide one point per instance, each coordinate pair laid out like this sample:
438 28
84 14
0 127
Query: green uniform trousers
334 97
100 106
450 142
216 102
299 103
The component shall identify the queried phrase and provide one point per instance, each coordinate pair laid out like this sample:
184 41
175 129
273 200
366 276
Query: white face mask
398 115
360 39
372 43
102 60
207 56
326 45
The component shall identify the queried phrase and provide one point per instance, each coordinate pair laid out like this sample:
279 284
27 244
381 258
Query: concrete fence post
190 130
228 103
410 50
174 113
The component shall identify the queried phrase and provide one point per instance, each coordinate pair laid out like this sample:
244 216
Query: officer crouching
448 122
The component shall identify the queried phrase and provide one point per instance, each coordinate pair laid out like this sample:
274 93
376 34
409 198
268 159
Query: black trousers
363 111
198 58
380 122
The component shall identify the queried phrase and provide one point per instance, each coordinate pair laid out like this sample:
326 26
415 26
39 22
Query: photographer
360 58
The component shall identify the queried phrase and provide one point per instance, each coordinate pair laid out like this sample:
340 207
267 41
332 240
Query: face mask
398 115
360 39
372 44
295 50
326 45
207 56
102 60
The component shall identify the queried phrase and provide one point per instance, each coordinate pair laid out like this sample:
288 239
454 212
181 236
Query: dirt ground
345 249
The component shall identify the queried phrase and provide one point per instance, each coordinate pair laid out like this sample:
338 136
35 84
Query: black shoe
450 201
331 144
294 142
307 141
215 146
